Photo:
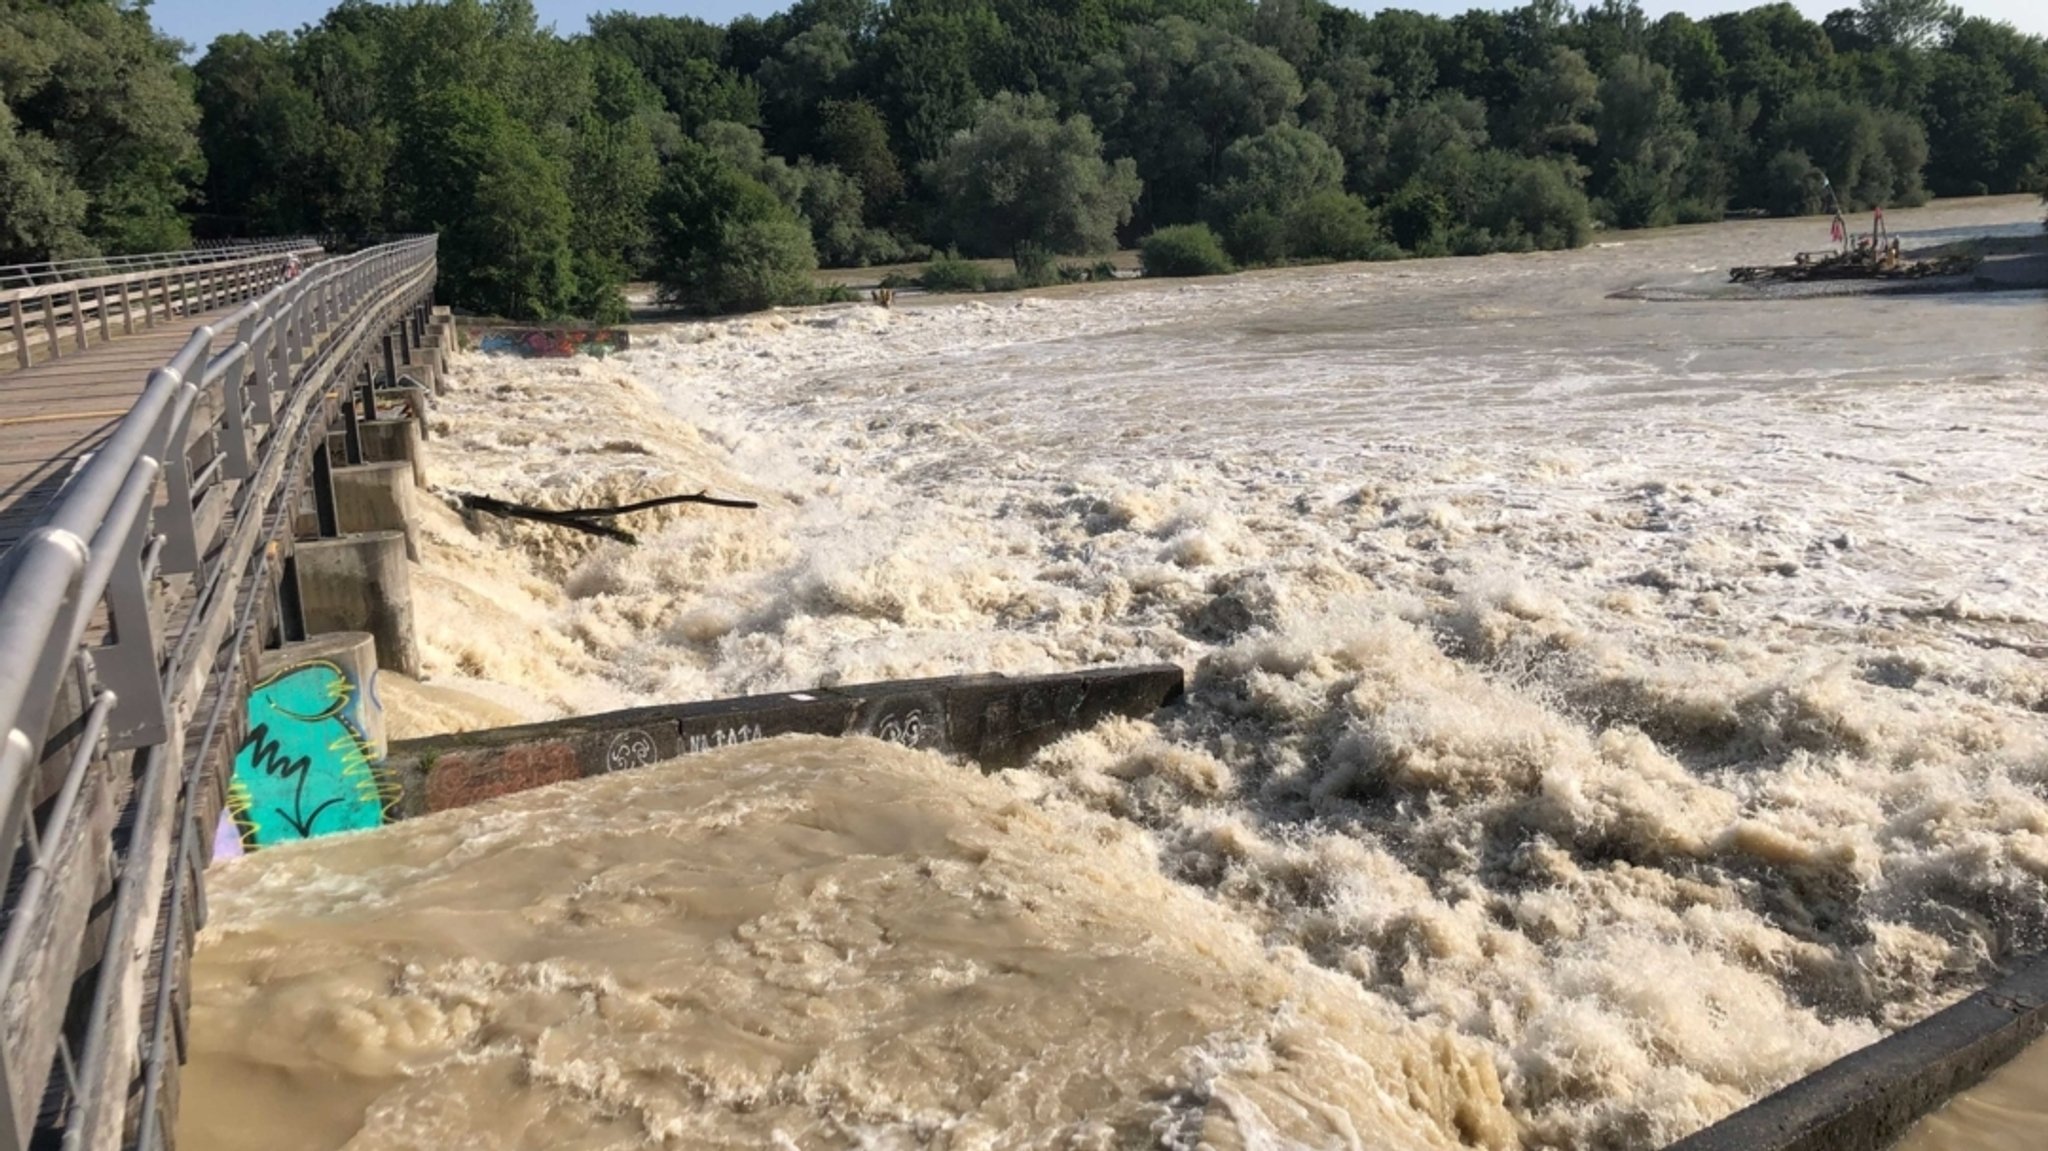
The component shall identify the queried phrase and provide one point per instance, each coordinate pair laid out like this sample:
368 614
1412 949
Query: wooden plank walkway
56 411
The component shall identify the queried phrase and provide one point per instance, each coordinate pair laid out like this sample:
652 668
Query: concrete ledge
1865 1101
996 720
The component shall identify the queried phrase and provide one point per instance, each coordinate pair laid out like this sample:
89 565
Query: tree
1176 96
683 59
1908 23
1023 176
1274 170
613 175
853 137
1965 105
808 69
500 204
925 60
98 106
1872 158
1346 104
822 196
724 242
1554 114
42 211
1644 143
261 134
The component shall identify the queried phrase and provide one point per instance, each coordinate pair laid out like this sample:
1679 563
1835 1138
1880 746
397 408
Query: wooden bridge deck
57 411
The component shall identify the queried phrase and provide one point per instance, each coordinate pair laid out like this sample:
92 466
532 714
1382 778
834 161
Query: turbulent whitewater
1602 712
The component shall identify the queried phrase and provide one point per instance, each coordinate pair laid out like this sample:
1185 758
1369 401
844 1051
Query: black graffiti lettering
264 755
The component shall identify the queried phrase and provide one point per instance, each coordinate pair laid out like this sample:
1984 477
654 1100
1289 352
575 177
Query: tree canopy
558 164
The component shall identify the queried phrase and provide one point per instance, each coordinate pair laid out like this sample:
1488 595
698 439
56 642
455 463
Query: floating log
586 519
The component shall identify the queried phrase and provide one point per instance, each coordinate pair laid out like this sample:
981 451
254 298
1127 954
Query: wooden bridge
161 419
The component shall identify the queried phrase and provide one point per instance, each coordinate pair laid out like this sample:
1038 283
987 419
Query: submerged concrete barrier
1867 1100
999 721
550 343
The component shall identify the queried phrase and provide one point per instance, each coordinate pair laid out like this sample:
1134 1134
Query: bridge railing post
18 314
131 666
235 406
180 527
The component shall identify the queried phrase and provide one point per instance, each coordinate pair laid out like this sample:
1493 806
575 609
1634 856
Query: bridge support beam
406 401
377 498
392 442
360 582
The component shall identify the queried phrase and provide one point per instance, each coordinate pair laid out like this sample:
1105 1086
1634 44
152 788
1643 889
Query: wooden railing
50 310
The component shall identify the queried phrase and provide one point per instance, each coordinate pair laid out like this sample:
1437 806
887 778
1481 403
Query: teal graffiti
305 768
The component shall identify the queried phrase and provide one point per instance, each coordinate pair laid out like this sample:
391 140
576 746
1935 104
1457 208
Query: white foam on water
1637 705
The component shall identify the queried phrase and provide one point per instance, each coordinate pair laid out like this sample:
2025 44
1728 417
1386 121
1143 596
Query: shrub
1256 237
1335 226
950 273
1036 267
1635 198
1546 206
1419 218
1183 250
1698 212
1791 185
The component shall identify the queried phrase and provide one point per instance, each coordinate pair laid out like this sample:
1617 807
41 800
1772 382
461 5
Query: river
1603 711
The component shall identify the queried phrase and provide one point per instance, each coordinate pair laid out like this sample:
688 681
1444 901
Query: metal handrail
138 510
57 271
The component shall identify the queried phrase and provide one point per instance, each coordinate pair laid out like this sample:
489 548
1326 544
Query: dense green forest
729 162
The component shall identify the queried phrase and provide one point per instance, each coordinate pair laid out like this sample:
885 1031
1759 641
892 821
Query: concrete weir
1867 1100
998 721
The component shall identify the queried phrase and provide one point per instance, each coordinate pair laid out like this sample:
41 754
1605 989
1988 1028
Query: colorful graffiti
307 767
550 343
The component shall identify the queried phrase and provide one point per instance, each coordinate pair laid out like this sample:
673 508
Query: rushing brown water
808 943
2007 1112
1605 711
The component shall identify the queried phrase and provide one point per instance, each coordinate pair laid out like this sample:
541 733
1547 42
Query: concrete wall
999 721
538 343
1866 1101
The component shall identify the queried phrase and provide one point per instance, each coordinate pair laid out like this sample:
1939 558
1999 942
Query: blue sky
198 21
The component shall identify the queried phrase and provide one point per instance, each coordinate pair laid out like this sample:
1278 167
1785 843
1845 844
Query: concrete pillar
406 401
426 352
355 653
312 704
361 582
395 441
376 498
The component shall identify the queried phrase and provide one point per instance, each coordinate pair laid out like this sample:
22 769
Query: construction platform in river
1875 256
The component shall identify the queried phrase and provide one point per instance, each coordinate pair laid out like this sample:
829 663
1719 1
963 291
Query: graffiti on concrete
306 768
551 343
907 727
629 749
723 737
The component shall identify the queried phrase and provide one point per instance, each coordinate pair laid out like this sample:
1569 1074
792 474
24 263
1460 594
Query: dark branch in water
586 519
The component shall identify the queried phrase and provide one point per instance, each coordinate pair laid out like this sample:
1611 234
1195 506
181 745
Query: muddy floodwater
1602 712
